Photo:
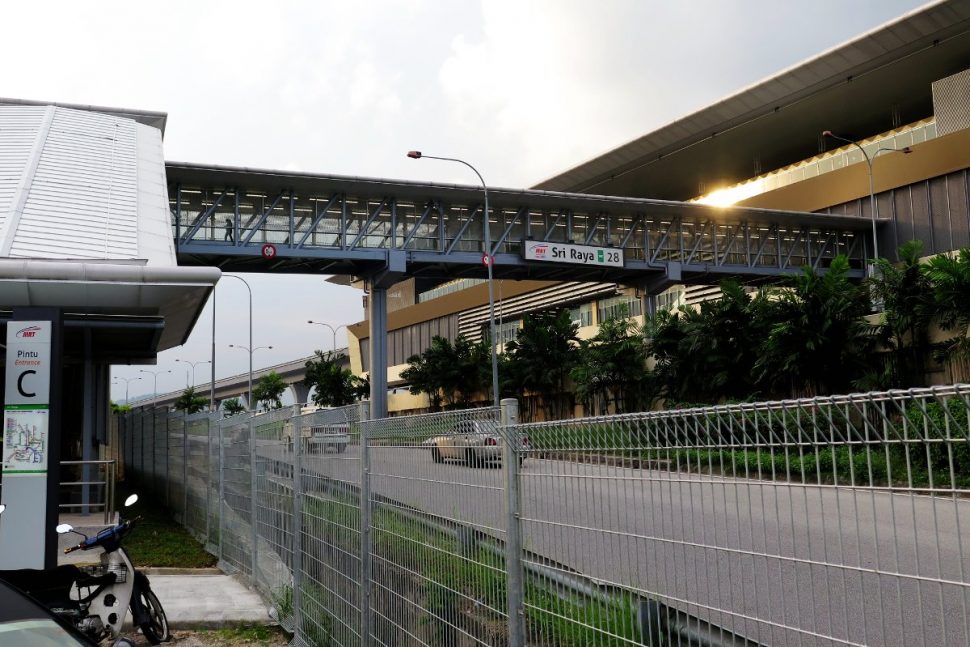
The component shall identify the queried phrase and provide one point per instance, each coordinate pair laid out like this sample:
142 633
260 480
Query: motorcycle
96 599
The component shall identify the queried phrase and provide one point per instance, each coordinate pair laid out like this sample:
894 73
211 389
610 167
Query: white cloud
521 88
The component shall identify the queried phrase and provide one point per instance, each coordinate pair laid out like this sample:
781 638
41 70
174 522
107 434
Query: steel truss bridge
383 231
367 227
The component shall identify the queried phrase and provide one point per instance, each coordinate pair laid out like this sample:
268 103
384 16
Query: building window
671 299
582 315
507 331
612 308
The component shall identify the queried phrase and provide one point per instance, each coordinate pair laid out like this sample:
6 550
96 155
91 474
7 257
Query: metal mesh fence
237 536
196 438
159 453
831 521
436 524
325 450
827 521
177 467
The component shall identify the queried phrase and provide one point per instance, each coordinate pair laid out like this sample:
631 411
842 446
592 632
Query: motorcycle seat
44 585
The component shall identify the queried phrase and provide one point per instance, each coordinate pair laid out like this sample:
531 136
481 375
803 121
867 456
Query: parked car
476 442
319 438
24 621
325 437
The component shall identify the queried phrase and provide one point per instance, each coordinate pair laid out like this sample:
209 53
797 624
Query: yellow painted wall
930 159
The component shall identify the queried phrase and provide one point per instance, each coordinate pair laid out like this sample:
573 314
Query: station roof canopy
868 85
85 227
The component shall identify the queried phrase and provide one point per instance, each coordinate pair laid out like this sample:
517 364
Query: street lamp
128 380
193 365
332 329
154 374
873 205
246 283
250 350
489 259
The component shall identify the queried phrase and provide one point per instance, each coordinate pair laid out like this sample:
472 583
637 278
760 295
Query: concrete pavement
208 601
192 598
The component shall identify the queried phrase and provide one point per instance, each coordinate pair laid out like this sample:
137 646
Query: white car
475 442
324 437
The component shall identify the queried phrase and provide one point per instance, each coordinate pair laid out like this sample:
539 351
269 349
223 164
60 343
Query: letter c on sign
20 384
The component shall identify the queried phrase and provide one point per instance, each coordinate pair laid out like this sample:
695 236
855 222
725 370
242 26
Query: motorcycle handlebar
102 536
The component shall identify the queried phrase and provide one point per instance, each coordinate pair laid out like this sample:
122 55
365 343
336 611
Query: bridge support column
377 307
300 392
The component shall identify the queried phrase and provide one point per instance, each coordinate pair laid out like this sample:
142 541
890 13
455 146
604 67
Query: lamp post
128 381
246 283
489 259
332 330
250 350
155 375
873 205
193 365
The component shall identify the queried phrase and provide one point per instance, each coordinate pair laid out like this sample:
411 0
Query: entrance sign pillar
31 439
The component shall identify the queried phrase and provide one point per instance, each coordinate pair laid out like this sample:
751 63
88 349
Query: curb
200 625
174 570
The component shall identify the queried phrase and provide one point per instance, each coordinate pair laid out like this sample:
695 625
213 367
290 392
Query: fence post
515 586
222 490
365 523
208 476
168 476
185 471
297 537
253 508
154 463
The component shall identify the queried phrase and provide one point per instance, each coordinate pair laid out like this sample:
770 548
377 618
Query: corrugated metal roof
85 223
76 184
148 117
17 134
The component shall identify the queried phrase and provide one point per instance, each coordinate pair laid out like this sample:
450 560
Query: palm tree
820 342
663 334
449 373
907 295
950 276
612 367
541 356
707 354
334 385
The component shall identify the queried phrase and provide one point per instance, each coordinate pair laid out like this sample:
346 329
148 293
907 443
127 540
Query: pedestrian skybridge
245 220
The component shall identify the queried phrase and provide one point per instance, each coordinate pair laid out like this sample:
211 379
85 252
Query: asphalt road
780 563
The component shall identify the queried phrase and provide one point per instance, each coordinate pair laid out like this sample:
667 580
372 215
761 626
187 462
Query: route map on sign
25 441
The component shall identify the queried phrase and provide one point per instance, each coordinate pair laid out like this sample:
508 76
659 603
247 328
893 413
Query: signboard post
31 441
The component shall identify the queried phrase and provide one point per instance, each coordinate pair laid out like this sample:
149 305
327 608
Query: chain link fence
824 521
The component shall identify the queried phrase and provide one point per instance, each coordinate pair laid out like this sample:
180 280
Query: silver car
475 442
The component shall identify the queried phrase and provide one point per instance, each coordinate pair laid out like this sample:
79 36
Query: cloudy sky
521 88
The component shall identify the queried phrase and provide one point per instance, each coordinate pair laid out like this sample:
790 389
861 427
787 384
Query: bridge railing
209 220
824 521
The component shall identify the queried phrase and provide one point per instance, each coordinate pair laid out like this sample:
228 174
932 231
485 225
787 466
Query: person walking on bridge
229 235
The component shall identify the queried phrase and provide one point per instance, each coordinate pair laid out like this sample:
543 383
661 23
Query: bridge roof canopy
320 184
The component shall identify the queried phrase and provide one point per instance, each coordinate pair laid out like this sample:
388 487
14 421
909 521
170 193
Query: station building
85 242
904 85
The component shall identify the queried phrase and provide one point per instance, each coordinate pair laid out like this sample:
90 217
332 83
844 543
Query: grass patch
257 634
458 579
157 540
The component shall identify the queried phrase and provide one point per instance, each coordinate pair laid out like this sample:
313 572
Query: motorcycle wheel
156 629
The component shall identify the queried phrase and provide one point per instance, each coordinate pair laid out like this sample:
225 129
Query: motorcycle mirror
132 500
64 528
